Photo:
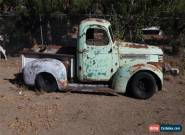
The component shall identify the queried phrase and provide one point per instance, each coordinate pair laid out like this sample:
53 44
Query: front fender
125 73
52 66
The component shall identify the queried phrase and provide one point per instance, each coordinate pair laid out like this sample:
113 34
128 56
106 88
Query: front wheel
143 85
46 82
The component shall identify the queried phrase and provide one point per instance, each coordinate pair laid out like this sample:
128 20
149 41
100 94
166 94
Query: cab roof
90 21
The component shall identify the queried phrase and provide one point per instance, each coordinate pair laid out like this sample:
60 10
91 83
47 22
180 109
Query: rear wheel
46 82
143 85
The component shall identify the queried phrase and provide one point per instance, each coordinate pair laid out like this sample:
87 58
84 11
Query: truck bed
40 55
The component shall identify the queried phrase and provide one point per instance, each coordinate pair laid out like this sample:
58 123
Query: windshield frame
111 33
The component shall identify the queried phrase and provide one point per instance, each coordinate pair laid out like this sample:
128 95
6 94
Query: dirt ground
25 112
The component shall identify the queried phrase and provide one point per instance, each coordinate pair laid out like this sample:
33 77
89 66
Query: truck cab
98 59
96 52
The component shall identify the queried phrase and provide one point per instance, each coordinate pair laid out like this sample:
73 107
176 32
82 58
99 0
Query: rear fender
124 74
51 66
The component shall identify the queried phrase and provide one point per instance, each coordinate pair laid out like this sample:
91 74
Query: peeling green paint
100 58
90 74
118 59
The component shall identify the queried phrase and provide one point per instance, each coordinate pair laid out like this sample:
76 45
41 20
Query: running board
90 88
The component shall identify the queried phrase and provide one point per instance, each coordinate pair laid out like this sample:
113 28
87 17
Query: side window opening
96 37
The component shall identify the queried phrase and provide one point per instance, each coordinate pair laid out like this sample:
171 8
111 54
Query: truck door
97 55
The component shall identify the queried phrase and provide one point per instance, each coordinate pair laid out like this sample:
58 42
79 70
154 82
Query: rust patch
155 67
136 46
138 65
156 64
63 83
157 37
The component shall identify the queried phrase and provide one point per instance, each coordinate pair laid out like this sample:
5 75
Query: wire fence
54 29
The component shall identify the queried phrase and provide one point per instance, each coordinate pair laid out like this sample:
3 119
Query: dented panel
125 73
95 59
99 58
52 66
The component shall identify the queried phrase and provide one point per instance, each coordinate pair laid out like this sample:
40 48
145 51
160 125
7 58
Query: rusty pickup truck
97 59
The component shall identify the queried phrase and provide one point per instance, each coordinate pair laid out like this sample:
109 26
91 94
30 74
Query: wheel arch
125 74
44 73
157 79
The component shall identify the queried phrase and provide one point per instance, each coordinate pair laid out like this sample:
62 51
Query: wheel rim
144 85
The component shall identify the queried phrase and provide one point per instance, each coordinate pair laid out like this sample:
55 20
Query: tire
143 85
46 82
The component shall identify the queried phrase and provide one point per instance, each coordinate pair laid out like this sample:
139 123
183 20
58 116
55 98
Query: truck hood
134 48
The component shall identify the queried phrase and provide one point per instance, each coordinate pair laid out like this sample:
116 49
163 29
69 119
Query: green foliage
128 17
81 5
180 5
